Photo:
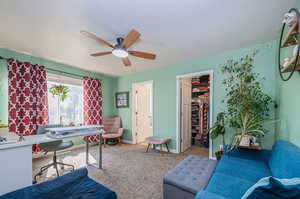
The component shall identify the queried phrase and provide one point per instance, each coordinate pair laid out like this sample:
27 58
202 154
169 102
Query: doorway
194 112
142 120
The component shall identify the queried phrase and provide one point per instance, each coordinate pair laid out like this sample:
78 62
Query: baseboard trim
213 158
127 141
164 149
157 146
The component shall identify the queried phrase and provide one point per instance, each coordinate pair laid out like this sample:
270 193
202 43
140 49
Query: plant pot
245 140
219 154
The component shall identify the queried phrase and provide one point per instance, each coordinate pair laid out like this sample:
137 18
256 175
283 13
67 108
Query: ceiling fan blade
95 37
100 54
126 61
132 37
142 54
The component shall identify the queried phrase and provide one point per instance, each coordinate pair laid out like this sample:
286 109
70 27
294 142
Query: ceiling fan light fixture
120 52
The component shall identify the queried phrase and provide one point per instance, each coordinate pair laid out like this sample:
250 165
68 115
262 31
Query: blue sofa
73 185
238 170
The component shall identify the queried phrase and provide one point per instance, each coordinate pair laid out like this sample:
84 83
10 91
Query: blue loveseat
74 185
238 170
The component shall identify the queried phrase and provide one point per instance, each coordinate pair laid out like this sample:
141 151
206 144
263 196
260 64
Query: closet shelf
200 91
290 66
291 37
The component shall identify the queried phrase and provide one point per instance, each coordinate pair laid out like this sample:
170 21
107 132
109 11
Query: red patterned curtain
28 100
92 105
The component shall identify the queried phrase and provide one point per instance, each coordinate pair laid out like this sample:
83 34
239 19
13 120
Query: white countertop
28 140
75 128
37 139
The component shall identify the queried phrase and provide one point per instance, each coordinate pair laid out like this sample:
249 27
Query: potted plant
62 92
217 130
247 104
2 125
249 129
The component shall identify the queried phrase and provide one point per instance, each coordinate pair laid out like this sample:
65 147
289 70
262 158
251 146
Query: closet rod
52 70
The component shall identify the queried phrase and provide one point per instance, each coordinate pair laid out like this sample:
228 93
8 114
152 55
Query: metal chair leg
160 149
44 168
57 173
154 146
167 147
148 148
55 164
64 164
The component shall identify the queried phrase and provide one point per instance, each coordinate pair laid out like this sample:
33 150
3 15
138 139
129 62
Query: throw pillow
274 188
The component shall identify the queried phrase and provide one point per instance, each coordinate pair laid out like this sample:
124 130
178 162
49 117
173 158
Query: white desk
16 160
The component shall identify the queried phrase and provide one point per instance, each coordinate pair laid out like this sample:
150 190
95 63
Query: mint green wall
108 82
3 93
165 88
289 106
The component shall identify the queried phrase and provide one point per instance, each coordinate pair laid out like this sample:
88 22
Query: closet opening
195 113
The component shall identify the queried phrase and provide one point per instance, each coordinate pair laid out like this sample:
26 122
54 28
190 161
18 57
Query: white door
143 119
186 100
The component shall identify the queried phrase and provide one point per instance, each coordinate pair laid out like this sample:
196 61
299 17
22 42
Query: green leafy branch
248 105
219 128
59 90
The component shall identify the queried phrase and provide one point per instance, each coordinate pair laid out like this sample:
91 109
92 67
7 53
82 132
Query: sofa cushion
274 188
88 188
228 186
70 186
192 174
285 160
249 154
251 170
208 195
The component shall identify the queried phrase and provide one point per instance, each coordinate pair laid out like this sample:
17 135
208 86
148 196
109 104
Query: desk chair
52 147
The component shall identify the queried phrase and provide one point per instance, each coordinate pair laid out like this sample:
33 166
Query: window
70 110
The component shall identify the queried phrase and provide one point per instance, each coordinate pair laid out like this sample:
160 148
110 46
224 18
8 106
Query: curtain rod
53 70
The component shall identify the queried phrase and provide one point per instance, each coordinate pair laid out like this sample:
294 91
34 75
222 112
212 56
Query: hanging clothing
203 121
204 111
28 98
92 105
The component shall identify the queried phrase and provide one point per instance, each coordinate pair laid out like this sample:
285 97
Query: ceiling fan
120 49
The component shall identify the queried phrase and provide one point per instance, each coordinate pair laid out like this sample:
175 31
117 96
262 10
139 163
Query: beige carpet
127 169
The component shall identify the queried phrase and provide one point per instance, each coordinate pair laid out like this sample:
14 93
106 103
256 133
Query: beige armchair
112 128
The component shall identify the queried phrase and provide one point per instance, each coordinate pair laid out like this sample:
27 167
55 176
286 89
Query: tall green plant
248 106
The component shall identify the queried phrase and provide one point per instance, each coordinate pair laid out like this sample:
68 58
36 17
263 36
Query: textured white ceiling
175 30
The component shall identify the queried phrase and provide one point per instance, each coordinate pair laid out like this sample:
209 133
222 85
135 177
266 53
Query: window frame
65 80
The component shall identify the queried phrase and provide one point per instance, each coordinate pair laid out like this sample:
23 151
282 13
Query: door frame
149 82
178 107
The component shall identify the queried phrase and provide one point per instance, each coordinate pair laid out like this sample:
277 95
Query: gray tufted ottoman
188 177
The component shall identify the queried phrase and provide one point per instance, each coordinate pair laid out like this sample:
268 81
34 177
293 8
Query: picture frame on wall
122 99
